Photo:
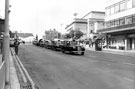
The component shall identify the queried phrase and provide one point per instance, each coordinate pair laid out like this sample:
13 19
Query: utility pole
6 45
61 31
75 14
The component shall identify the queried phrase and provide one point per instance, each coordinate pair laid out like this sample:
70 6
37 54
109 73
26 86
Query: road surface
95 70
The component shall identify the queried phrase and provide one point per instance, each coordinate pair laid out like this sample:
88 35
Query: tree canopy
74 34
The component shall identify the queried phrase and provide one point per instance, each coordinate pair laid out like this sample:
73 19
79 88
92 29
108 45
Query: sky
37 16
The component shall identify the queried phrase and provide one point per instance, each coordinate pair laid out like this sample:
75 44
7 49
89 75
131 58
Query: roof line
92 12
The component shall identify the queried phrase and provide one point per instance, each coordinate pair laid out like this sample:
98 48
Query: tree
76 34
67 36
71 33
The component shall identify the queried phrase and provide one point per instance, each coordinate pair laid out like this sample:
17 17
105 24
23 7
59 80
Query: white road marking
128 63
129 79
2 65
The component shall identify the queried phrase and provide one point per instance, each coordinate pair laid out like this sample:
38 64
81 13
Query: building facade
95 21
119 25
78 24
51 34
88 24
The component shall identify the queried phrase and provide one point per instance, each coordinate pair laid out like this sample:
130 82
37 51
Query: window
129 4
112 10
133 18
122 21
129 20
105 25
117 8
133 3
108 11
112 23
108 24
117 23
122 6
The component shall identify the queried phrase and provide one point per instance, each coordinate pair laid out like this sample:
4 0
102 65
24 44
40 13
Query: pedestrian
16 44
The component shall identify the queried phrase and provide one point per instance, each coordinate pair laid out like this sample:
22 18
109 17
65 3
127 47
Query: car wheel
82 53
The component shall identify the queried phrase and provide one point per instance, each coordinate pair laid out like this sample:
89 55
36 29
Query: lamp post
61 31
6 44
75 14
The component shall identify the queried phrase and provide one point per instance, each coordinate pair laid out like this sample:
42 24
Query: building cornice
82 21
92 12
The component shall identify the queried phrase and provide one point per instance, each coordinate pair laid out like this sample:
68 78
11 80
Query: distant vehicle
72 47
48 44
41 43
57 44
35 42
38 42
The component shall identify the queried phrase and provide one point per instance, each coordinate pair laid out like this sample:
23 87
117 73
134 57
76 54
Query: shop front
131 41
125 41
120 37
116 42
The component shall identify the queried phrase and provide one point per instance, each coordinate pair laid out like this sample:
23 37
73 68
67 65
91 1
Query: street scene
67 44
95 70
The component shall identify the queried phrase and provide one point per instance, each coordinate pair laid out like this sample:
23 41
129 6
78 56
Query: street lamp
75 14
61 31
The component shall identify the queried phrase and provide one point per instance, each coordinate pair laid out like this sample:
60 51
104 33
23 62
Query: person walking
16 44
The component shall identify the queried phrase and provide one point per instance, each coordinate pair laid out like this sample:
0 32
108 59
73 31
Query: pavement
13 78
114 51
14 81
16 74
19 77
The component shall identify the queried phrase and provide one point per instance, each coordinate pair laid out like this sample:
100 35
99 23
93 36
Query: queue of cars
65 46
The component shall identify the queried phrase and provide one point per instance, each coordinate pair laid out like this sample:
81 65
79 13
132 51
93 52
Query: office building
119 25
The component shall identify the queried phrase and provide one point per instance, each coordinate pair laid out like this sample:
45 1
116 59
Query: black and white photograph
67 44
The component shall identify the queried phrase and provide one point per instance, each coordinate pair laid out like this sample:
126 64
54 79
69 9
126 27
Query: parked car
57 45
72 47
41 43
48 44
35 42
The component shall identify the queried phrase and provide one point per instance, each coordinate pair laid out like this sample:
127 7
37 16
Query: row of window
121 6
122 21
